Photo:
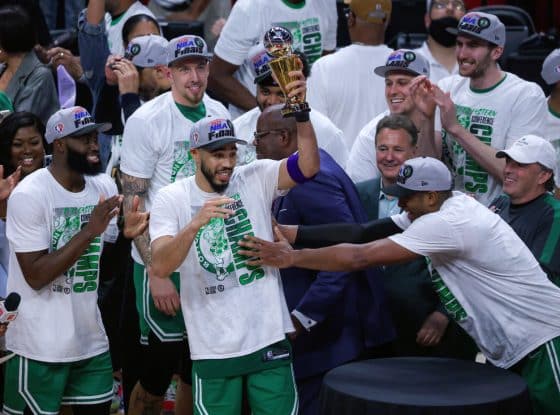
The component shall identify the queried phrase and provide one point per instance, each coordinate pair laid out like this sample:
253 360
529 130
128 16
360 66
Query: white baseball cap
531 149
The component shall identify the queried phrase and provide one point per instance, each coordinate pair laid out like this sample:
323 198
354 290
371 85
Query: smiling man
487 279
486 109
528 205
401 67
235 314
58 220
155 152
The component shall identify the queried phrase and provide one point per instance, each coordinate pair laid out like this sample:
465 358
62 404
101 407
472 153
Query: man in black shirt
528 205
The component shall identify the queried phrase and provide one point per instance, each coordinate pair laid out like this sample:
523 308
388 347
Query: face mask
438 32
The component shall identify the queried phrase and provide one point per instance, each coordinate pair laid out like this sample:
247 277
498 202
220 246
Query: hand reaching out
276 254
9 183
102 214
135 222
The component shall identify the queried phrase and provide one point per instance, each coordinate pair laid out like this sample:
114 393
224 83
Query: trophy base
290 110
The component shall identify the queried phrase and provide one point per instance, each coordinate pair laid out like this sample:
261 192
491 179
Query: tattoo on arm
135 186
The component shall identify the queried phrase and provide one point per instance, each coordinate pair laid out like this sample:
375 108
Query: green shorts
541 371
267 374
44 387
166 328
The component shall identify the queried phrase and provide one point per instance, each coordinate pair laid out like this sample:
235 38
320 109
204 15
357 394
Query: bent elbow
34 282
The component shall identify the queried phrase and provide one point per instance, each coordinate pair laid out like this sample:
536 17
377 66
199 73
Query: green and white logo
409 56
82 276
212 249
483 22
183 163
217 247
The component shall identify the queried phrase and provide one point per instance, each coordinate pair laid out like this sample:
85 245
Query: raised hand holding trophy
278 44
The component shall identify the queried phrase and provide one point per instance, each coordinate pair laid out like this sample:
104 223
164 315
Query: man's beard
79 163
217 187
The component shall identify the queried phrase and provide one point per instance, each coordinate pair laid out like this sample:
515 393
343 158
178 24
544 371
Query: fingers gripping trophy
278 44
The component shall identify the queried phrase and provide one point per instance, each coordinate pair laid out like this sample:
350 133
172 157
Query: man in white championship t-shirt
488 280
58 220
236 315
155 152
312 24
399 71
484 109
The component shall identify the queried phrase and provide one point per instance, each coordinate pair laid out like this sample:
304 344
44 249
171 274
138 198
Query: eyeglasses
260 134
457 5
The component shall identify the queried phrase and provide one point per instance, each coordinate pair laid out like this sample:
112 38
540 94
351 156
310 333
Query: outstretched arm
343 257
318 236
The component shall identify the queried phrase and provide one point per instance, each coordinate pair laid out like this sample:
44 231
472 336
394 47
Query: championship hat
372 11
187 46
211 133
421 174
147 51
405 60
483 26
74 121
551 68
259 58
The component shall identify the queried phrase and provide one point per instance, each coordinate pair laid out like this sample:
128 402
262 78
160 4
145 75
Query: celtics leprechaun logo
212 249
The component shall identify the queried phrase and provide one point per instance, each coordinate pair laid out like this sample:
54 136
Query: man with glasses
58 220
338 316
329 137
439 48
483 109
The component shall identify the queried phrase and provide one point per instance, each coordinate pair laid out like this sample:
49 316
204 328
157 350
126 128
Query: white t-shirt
487 278
344 87
552 134
437 70
313 27
114 30
230 309
498 117
329 137
362 164
61 321
156 144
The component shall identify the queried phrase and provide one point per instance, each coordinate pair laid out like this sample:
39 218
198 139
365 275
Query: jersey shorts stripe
166 328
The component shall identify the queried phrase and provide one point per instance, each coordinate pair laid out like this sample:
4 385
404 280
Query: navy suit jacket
349 307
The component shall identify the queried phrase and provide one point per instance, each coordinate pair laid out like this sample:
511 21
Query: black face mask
438 30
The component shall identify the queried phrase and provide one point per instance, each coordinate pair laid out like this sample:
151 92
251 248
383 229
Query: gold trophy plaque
278 44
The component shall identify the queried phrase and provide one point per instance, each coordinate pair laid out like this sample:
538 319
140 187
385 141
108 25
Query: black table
423 386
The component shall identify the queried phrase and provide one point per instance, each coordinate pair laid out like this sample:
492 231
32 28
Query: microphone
8 308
